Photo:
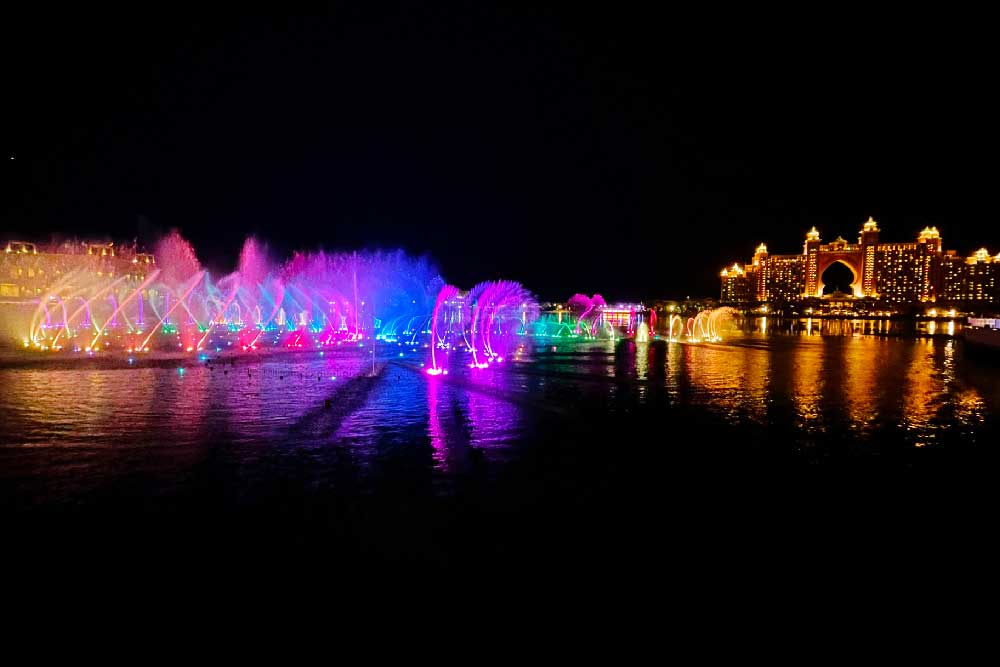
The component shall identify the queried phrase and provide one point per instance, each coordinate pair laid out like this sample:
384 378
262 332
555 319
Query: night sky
617 151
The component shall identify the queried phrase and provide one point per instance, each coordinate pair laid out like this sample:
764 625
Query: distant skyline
622 152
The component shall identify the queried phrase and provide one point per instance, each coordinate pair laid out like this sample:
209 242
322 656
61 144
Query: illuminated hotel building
737 287
890 273
767 278
621 315
974 279
27 270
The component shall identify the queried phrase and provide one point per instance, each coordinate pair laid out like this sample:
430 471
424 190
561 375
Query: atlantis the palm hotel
917 277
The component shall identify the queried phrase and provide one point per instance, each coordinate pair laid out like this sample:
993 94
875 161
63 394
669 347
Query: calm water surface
321 420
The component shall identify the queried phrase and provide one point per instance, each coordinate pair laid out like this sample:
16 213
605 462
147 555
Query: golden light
982 255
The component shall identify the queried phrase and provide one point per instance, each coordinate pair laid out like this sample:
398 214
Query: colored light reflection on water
69 430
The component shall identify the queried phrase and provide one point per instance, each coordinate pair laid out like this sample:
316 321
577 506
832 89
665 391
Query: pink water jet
447 293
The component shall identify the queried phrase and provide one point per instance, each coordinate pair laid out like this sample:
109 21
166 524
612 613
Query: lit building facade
622 315
28 270
766 278
890 273
737 285
972 280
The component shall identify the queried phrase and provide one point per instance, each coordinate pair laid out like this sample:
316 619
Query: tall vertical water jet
447 293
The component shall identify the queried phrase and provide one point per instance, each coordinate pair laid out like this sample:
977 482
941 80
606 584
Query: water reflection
818 386
807 384
434 427
835 383
734 377
922 392
861 363
641 360
493 423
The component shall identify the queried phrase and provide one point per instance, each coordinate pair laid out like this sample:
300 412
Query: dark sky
621 151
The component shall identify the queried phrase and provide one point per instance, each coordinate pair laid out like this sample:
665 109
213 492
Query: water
433 468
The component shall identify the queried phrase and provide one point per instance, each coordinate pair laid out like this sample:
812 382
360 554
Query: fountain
169 302
486 322
586 307
447 293
311 300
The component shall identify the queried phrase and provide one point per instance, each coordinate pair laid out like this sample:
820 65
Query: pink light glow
447 292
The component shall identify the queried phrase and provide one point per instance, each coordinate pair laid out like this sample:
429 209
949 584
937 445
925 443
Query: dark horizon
632 154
